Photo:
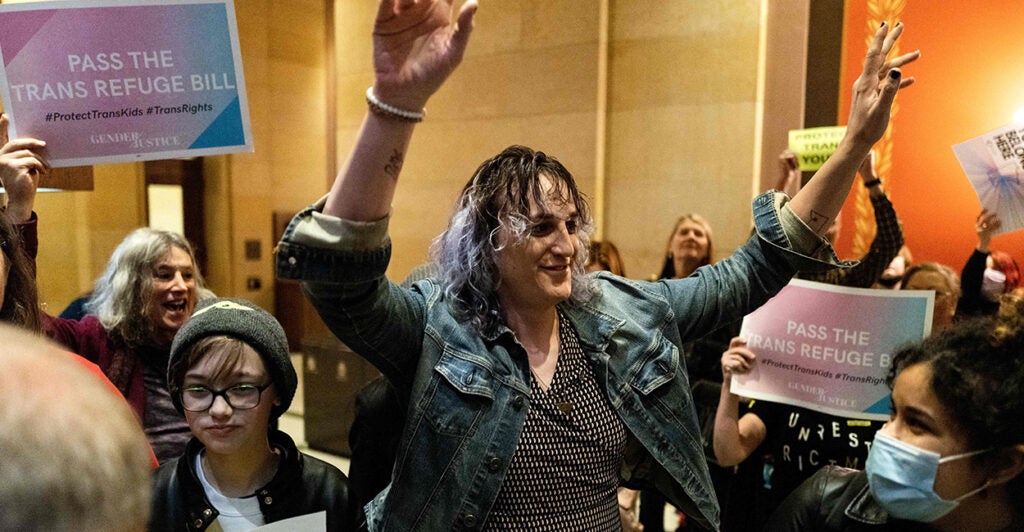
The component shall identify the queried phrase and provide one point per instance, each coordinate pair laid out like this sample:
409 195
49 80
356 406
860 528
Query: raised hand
416 47
789 174
737 359
875 89
22 163
986 224
867 168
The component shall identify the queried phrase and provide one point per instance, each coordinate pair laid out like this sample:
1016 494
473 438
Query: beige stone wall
283 50
683 80
669 129
653 106
79 230
528 78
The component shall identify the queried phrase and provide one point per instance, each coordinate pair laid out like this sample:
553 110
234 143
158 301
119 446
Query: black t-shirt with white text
800 441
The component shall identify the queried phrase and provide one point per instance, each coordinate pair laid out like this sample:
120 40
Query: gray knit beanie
240 319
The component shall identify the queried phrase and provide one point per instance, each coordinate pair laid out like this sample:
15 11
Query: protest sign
829 348
994 164
124 80
815 145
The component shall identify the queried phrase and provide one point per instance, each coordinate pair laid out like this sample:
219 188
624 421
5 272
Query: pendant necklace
563 405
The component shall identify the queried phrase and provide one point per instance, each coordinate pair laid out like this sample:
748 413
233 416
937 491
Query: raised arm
735 437
416 46
22 162
820 199
789 173
985 224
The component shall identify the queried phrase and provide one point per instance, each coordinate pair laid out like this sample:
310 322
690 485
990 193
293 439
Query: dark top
799 441
302 485
165 427
373 438
564 471
837 499
972 303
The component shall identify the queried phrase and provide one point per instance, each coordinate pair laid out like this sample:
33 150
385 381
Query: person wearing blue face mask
988 273
952 454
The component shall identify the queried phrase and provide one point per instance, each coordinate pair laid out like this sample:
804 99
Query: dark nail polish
882 24
894 74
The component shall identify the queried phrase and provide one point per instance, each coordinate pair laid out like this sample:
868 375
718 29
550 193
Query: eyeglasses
239 397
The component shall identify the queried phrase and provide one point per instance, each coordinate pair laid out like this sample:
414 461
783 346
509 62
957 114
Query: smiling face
919 419
222 429
173 293
690 243
536 270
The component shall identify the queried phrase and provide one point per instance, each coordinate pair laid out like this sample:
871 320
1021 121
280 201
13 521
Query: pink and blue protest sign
830 348
125 80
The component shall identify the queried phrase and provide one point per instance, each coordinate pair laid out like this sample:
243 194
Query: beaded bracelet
873 182
389 111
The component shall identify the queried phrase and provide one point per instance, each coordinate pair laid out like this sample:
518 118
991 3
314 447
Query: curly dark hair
977 373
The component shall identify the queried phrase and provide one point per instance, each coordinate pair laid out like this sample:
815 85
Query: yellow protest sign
815 145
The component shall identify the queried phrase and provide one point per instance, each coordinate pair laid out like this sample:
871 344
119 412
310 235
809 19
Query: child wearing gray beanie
241 320
231 375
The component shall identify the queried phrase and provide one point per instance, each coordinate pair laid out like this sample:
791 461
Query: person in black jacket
231 376
951 456
988 273
373 438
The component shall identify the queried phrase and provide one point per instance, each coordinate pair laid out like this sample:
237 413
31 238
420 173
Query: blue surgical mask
902 479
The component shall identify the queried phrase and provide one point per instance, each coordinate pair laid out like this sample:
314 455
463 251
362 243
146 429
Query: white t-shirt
236 514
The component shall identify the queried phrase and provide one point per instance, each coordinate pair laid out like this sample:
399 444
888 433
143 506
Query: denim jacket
469 394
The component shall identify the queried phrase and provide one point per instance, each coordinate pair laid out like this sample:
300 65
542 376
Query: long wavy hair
668 270
123 296
21 298
499 197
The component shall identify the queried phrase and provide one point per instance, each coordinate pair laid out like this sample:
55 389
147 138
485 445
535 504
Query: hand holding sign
986 225
22 163
994 164
114 90
811 355
737 359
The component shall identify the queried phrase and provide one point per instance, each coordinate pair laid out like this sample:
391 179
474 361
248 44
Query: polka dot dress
565 471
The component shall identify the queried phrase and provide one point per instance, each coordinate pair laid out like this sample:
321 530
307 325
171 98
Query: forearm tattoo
818 221
394 165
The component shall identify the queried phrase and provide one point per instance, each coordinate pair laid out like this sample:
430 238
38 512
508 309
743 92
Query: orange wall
970 80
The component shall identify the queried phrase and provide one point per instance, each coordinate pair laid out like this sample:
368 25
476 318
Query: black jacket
373 438
302 485
836 499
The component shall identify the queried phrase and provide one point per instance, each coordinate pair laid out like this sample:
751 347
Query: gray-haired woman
147 292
